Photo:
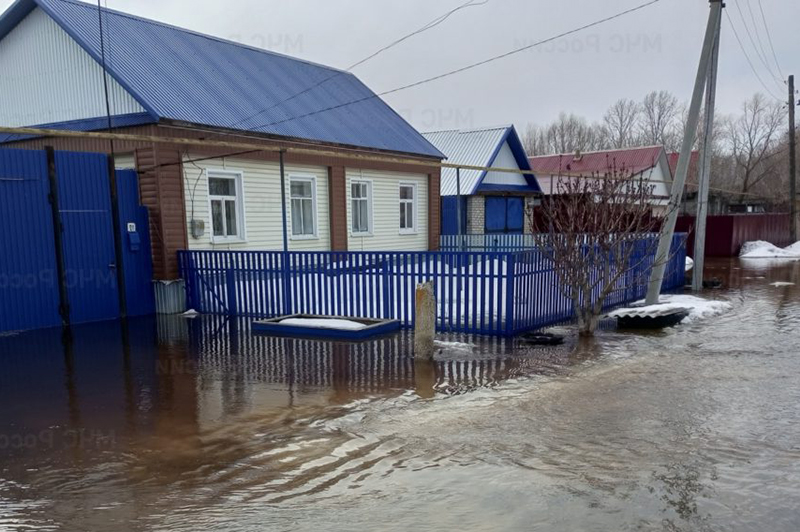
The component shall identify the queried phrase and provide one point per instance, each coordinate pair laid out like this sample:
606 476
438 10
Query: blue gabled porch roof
180 75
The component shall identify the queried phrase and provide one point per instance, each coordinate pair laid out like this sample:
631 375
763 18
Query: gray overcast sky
655 48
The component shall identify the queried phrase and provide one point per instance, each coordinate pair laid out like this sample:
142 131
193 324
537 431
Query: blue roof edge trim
515 144
492 187
87 124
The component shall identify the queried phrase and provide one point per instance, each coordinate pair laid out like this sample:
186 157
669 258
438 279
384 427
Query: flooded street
179 424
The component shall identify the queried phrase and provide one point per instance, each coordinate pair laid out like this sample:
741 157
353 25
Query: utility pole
705 166
668 229
792 162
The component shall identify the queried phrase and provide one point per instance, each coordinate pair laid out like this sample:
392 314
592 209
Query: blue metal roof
479 147
181 75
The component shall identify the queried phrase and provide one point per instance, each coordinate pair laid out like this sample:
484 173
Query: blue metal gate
58 254
84 198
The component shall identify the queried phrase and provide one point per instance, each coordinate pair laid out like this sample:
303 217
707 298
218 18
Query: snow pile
760 249
781 283
689 264
699 308
325 323
191 313
794 249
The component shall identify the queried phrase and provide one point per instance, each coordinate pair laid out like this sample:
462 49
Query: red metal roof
633 160
672 158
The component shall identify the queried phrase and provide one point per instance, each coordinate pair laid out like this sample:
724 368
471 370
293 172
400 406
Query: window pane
308 217
402 216
230 218
216 217
406 192
363 206
356 216
301 189
221 187
297 217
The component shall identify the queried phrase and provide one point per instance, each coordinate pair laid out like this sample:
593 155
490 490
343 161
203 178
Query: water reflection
178 424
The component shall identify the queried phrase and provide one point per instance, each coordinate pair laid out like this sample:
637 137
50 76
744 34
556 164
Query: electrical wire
464 68
762 58
432 24
769 37
747 57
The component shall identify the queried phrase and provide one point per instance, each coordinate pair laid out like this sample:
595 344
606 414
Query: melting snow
698 307
759 249
781 283
454 345
325 323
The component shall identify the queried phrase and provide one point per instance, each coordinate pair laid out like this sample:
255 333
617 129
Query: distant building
170 82
650 162
491 202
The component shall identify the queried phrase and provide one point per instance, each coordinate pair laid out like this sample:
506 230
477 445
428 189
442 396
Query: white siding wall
262 201
47 77
386 234
505 159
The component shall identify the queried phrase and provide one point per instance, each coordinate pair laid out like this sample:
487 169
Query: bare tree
753 137
660 119
597 233
620 123
570 133
534 140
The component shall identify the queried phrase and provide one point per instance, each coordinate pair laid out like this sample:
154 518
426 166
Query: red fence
726 233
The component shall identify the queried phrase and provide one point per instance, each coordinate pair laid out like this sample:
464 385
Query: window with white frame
408 207
225 199
303 195
361 207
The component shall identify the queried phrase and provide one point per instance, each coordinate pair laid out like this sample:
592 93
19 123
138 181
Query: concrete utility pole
792 162
668 230
705 167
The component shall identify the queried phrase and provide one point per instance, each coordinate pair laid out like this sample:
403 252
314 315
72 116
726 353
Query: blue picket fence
493 293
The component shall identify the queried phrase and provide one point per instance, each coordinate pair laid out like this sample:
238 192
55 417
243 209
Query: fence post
230 282
510 274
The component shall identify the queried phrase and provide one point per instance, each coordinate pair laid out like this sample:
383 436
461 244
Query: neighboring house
650 162
491 202
170 82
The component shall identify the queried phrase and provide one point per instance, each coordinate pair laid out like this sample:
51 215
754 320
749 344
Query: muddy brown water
177 424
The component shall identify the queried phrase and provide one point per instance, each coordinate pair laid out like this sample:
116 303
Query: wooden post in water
425 324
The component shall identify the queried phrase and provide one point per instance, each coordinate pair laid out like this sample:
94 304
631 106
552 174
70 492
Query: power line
769 37
432 24
749 62
761 57
465 68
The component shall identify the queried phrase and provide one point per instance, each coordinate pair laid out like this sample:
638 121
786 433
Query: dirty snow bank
699 308
325 323
759 249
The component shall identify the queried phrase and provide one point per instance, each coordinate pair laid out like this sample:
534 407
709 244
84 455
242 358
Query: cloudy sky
654 48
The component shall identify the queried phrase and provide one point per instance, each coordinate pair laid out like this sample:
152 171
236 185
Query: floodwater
178 424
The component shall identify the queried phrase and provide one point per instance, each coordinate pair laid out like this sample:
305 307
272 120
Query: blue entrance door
84 200
504 214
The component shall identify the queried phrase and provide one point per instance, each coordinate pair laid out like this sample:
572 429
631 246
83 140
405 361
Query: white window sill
408 232
359 235
303 237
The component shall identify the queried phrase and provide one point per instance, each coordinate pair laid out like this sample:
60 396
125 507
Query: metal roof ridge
470 130
138 18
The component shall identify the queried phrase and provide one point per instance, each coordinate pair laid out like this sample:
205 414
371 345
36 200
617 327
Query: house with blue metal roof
482 201
165 81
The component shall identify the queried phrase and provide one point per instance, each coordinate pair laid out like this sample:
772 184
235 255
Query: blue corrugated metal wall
28 277
29 280
450 215
84 197
138 266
